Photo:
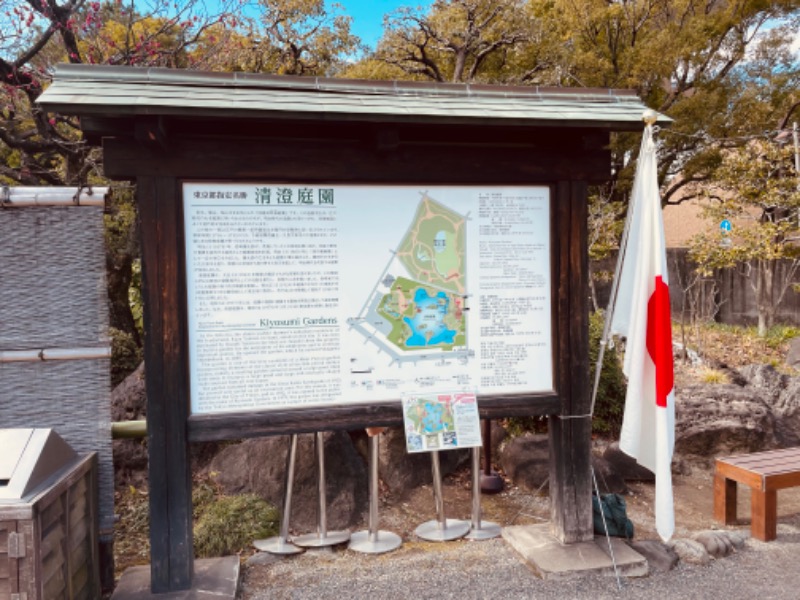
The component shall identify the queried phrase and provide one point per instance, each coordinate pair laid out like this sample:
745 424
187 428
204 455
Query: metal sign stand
440 529
281 544
479 530
322 537
373 541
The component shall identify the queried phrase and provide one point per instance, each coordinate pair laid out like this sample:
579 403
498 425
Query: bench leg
764 505
724 499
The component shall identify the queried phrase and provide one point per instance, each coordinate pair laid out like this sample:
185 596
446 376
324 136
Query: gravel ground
492 569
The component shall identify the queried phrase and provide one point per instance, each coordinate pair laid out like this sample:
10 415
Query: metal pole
436 468
373 489
491 482
373 541
281 544
440 529
321 538
796 161
479 530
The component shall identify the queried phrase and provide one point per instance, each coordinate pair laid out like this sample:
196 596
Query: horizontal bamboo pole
7 356
128 429
15 197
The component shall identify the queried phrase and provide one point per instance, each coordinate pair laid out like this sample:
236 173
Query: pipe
7 356
13 197
128 429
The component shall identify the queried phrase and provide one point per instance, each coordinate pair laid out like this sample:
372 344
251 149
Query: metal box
48 518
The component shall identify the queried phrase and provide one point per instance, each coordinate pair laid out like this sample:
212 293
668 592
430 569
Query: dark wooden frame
159 154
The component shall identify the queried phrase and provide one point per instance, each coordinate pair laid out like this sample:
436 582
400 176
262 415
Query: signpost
313 249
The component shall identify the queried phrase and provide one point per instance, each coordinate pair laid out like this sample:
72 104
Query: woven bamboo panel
52 278
71 397
53 295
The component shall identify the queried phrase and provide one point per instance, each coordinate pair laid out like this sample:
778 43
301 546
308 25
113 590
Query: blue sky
368 15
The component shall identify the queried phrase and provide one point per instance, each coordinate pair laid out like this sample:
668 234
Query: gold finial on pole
650 117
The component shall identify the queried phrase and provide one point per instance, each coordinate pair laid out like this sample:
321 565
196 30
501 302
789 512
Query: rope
605 527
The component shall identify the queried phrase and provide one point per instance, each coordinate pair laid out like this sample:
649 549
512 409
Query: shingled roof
113 91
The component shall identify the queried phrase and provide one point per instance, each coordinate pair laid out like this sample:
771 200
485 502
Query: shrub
126 355
610 402
231 523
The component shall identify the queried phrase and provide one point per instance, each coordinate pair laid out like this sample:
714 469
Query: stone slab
214 578
552 560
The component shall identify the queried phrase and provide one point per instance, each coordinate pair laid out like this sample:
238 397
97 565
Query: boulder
765 378
625 466
402 472
787 414
715 420
129 403
526 460
129 398
793 355
609 480
259 466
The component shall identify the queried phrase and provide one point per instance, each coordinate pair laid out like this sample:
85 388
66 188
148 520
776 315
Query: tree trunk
765 300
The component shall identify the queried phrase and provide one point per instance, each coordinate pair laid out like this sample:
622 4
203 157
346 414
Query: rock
401 471
690 551
259 466
716 543
625 466
737 538
129 398
787 414
715 420
766 378
526 460
129 403
609 479
660 557
499 435
793 356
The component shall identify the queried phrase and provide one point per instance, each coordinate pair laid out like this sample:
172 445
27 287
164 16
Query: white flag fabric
641 314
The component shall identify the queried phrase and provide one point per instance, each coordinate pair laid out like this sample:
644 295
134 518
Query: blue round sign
726 226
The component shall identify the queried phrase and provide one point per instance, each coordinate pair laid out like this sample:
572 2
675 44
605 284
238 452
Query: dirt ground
692 488
693 497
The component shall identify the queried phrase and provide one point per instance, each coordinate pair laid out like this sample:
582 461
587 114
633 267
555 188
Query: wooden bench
765 473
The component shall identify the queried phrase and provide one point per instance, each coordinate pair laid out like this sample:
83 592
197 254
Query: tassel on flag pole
640 312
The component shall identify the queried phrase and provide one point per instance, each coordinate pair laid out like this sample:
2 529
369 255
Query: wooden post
171 548
570 438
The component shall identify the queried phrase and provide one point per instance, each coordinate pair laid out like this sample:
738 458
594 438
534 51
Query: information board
327 295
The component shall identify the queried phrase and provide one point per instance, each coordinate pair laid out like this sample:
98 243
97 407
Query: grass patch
713 377
229 524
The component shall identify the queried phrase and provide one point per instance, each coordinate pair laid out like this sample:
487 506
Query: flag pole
649 117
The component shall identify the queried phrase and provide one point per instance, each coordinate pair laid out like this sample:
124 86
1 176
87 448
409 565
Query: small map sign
442 421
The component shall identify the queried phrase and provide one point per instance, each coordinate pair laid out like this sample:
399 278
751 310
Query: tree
717 68
458 40
48 149
758 191
289 37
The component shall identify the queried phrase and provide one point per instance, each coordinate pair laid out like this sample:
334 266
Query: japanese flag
641 314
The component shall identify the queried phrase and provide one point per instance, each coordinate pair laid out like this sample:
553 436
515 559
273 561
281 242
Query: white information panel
328 295
441 421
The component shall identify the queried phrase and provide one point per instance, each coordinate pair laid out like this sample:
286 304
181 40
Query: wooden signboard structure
376 237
